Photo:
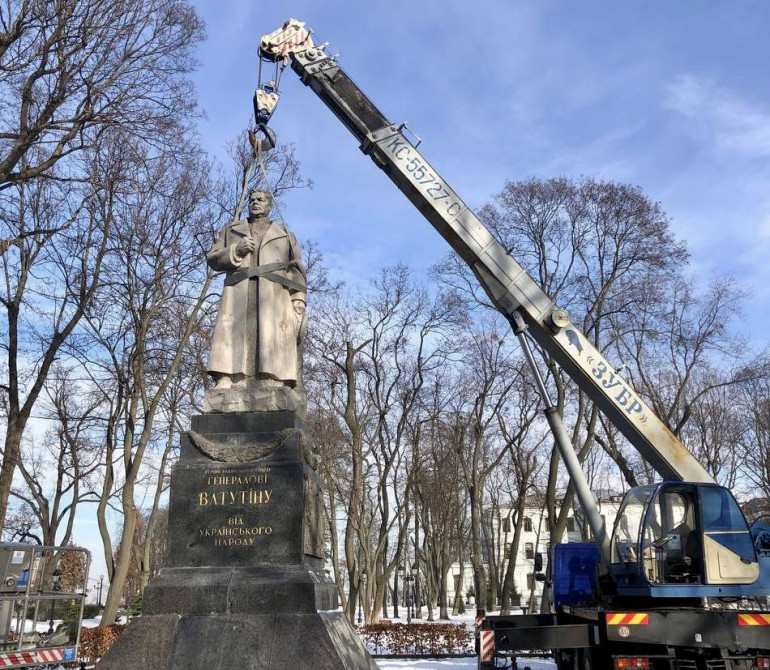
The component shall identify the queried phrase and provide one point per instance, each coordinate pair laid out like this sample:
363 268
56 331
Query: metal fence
42 594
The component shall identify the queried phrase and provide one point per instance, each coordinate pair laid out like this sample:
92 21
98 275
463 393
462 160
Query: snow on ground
383 663
469 663
44 624
41 627
455 664
93 623
429 664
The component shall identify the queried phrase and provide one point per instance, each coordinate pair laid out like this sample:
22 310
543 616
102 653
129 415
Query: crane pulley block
291 37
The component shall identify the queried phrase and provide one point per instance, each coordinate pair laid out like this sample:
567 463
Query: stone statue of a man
255 350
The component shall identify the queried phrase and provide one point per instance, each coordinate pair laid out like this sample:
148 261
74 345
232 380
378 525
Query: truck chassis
676 638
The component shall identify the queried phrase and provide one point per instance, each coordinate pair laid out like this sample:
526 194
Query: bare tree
176 410
370 356
277 171
437 489
686 362
714 428
484 385
48 281
524 443
59 474
754 405
78 78
154 289
596 248
334 344
71 69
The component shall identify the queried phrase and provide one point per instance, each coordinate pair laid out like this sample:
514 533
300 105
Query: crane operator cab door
728 551
672 542
678 533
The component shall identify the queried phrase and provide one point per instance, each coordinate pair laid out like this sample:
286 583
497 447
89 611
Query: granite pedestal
244 586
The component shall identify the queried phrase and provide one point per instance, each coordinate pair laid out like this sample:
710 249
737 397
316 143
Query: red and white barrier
486 645
20 659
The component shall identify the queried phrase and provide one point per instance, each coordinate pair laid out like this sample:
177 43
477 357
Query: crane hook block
265 100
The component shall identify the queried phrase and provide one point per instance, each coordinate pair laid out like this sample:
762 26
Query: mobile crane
680 581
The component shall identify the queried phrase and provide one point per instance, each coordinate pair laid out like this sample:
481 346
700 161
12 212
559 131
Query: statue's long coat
258 302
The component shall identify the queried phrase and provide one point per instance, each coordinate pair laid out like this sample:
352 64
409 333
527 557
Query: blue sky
670 96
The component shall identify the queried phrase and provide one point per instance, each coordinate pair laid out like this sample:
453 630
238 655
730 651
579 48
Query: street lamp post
361 588
458 590
56 586
409 596
359 607
408 580
396 578
407 590
412 584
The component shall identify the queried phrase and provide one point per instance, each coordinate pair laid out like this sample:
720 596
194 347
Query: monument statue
244 584
255 356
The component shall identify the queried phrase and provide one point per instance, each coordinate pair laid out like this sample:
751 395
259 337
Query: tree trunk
513 554
112 603
479 574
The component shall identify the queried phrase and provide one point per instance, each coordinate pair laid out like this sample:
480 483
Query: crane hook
262 143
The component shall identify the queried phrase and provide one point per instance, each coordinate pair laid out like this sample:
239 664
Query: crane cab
677 539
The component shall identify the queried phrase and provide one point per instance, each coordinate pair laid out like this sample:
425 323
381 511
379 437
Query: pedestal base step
273 589
319 641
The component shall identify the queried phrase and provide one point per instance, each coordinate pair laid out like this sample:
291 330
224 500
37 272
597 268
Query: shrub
71 611
94 642
420 639
91 610
134 605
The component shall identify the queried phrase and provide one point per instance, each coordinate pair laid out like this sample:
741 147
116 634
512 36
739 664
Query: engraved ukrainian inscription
237 515
231 489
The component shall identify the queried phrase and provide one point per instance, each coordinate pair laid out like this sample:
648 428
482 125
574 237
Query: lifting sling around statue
255 358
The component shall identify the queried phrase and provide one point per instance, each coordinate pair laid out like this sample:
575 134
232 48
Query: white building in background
534 539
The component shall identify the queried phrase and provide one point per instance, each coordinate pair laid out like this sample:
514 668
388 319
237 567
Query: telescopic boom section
506 283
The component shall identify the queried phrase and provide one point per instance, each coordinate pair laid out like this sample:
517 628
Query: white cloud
602 157
719 116
763 229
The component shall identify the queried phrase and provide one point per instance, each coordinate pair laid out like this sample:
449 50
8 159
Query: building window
531 581
527 524
506 525
529 550
570 524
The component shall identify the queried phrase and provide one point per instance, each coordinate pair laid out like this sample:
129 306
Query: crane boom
506 283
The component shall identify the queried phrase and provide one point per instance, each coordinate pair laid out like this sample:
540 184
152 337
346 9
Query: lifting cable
262 115
268 186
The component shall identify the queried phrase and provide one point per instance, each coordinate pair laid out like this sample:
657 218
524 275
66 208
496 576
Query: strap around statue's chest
266 271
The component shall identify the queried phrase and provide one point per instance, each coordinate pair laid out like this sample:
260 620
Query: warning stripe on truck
487 645
754 619
627 618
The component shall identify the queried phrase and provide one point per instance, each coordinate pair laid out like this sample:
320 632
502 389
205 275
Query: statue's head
260 203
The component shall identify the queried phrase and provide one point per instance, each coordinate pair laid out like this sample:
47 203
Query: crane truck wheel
570 659
563 660
592 659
